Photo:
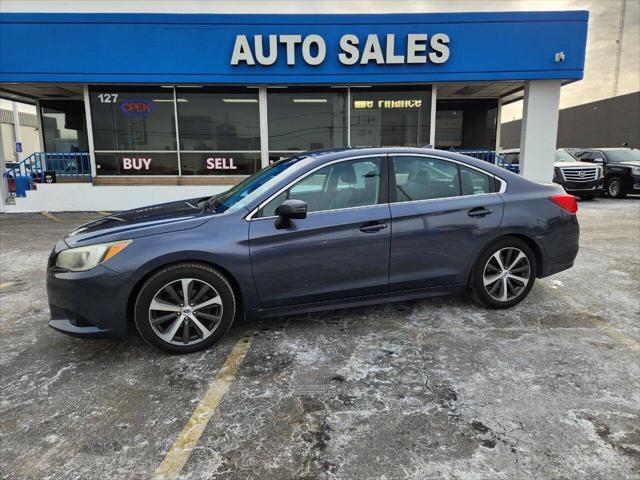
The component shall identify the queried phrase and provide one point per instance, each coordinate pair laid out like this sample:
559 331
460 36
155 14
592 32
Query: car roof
319 157
606 149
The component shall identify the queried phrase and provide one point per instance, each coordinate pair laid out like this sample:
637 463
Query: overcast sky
604 23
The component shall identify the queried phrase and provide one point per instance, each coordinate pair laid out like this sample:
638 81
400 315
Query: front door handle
372 227
479 212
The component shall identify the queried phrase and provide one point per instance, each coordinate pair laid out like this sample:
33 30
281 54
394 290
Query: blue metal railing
481 154
38 165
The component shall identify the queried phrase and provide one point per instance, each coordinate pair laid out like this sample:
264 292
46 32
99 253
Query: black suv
621 168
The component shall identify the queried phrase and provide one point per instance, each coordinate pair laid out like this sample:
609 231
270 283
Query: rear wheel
615 188
184 308
504 274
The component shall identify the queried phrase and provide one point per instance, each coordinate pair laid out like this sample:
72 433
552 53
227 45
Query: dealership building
139 108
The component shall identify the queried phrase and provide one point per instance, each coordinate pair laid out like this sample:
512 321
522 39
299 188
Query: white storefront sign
265 49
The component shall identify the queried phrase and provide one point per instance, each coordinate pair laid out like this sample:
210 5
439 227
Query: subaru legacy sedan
322 230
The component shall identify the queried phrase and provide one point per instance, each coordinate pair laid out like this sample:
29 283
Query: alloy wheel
506 274
185 311
614 187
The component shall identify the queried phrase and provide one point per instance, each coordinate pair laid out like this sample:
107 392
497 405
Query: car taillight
568 203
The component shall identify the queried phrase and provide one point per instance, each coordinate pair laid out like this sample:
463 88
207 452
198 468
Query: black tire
203 275
481 294
615 188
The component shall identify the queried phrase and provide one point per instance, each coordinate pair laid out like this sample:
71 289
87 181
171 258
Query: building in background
29 134
614 122
155 107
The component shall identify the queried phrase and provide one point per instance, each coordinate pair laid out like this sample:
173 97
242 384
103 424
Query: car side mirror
288 210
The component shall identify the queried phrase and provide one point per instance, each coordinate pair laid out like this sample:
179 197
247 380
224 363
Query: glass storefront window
218 120
136 131
390 117
133 119
466 124
449 128
219 131
306 119
63 126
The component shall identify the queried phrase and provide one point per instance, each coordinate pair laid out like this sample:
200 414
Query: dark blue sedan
321 230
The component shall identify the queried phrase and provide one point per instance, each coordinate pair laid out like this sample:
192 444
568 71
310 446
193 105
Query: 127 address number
108 97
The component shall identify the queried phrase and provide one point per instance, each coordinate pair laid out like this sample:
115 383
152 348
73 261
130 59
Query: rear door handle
372 227
479 212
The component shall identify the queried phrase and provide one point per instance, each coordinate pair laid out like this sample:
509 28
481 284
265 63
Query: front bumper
594 186
88 304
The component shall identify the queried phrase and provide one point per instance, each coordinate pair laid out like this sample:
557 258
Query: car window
422 178
616 155
474 182
564 156
352 183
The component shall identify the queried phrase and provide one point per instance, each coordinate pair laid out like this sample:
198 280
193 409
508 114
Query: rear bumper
88 304
560 247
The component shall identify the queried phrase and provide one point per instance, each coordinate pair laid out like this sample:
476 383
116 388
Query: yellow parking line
632 343
51 216
6 284
603 325
190 434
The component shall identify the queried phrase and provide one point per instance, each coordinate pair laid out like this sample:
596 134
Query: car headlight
85 258
635 170
600 172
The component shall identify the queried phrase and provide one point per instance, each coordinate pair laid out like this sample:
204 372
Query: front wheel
504 274
184 308
615 188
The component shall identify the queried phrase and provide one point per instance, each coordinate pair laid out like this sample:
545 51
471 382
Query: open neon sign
136 107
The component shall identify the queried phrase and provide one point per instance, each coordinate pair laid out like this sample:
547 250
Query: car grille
579 174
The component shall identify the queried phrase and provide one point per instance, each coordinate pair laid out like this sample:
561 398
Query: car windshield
251 187
564 156
617 155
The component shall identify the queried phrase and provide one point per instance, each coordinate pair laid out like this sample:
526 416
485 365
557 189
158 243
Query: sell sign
220 163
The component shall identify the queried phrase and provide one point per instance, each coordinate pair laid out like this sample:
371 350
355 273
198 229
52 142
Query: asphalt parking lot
427 389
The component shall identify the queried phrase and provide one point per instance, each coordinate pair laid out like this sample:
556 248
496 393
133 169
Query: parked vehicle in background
321 230
578 178
621 168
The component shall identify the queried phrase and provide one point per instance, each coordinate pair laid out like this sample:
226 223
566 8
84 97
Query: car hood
151 220
574 164
630 163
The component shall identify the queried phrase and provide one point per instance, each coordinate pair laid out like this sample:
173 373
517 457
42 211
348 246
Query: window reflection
135 118
390 117
467 124
306 119
63 126
218 120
